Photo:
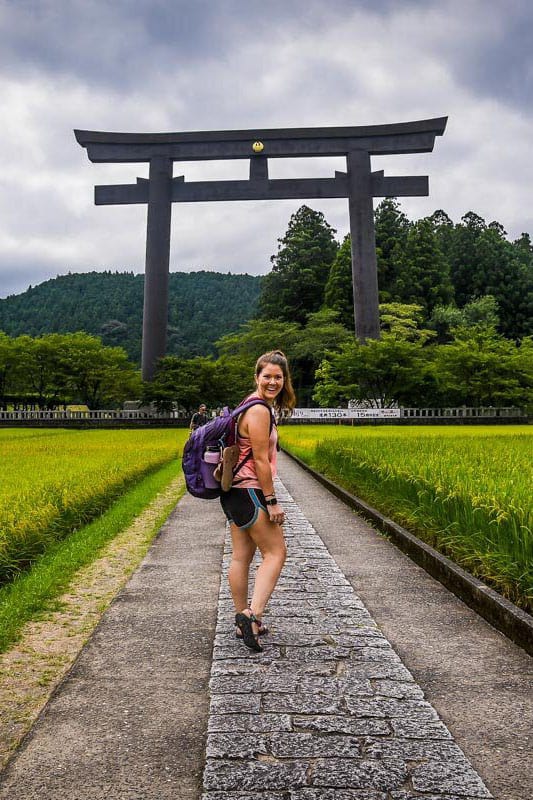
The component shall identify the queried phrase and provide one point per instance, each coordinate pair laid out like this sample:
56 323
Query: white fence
463 412
87 415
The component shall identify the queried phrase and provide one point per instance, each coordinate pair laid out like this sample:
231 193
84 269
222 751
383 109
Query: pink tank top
246 477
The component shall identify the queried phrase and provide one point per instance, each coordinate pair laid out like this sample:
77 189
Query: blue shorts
241 506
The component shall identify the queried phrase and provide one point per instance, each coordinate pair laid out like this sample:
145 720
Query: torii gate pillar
156 276
363 240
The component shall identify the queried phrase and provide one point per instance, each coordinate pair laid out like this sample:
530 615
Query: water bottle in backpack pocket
210 461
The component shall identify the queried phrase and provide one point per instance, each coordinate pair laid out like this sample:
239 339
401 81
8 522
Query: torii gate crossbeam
359 184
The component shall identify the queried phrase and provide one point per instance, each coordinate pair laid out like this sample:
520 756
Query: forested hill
202 307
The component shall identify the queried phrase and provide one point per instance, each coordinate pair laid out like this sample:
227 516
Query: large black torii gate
359 184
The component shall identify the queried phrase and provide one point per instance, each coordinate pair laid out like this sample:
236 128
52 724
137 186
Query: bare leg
268 536
243 550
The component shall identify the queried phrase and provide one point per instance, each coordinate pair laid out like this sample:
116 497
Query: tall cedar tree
295 286
462 256
338 294
424 277
501 273
392 229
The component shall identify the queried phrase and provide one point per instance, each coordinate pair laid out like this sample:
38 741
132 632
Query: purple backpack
203 450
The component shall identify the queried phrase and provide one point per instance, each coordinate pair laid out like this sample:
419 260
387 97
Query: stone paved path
328 711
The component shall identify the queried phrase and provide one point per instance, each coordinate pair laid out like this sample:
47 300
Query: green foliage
182 382
383 373
259 336
202 307
338 294
392 229
482 262
64 368
295 286
444 319
403 320
482 368
423 276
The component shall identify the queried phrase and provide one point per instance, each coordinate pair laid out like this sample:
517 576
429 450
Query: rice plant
464 490
53 482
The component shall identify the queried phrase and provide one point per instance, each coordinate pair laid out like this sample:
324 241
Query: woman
250 505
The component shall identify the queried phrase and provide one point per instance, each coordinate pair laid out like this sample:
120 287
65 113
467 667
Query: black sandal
263 629
250 639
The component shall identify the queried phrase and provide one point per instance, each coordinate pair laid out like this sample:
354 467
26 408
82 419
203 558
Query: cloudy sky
170 65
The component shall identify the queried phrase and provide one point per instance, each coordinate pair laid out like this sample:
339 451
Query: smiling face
269 382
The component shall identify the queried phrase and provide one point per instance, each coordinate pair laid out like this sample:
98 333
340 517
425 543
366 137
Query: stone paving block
235 704
231 775
380 654
300 704
236 651
420 729
398 689
306 745
246 745
299 639
336 794
359 774
456 778
300 670
414 749
319 653
385 707
332 723
235 684
248 723
236 666
244 796
406 795
358 641
378 671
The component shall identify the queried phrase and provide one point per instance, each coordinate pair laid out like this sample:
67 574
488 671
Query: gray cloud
132 65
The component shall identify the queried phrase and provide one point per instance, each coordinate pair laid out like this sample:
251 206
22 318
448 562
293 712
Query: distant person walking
199 418
250 505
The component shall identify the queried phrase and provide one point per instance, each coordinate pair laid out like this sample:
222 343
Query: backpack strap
253 401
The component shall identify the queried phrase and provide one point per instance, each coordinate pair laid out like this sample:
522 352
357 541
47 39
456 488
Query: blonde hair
286 399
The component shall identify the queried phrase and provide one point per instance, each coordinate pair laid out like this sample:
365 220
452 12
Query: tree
403 320
7 364
338 293
295 286
41 369
380 373
502 273
184 383
482 368
462 257
444 319
392 228
323 334
424 275
98 375
259 336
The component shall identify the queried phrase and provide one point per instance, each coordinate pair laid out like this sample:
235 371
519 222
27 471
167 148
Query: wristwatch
272 502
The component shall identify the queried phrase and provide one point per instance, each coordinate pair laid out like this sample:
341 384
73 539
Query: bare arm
256 425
